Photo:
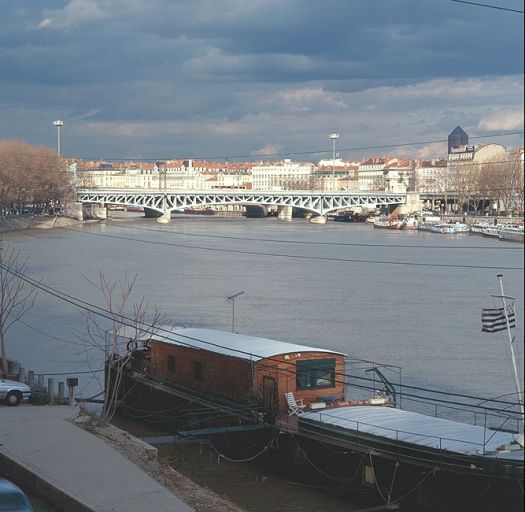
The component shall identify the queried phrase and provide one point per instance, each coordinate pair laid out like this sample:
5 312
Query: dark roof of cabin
233 344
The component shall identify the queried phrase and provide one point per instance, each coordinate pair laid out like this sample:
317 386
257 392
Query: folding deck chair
295 407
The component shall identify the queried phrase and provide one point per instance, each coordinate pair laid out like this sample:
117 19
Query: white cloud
74 13
502 121
449 89
268 149
77 12
434 150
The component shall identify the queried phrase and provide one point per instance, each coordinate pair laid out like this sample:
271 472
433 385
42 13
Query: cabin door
270 399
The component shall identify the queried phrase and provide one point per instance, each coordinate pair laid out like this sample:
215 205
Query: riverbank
25 222
76 465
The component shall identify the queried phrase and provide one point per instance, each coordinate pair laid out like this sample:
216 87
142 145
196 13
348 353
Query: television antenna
231 299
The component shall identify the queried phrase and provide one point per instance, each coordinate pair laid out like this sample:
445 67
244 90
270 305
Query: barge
250 381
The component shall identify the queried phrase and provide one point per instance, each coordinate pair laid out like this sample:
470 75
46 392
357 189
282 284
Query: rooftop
233 344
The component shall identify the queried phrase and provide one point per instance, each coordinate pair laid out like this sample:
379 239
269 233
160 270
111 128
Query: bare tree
120 341
464 182
31 175
17 296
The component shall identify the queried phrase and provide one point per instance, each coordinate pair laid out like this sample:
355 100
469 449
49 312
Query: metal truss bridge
166 201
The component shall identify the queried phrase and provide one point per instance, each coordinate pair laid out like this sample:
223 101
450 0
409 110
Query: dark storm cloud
245 75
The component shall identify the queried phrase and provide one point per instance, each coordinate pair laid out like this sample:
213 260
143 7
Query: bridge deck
317 202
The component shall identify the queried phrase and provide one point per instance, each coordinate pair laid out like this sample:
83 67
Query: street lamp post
333 137
161 166
58 124
231 299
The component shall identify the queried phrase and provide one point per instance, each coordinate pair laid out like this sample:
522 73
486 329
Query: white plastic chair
295 407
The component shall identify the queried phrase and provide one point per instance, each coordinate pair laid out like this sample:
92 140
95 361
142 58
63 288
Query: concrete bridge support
284 213
95 212
164 218
74 211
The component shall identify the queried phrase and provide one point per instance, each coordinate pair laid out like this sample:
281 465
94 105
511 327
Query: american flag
493 320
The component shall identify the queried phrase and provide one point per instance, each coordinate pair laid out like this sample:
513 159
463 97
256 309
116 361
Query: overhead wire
488 6
313 242
270 155
303 257
123 320
147 328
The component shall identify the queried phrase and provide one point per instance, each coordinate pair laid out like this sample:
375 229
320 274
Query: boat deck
422 439
415 428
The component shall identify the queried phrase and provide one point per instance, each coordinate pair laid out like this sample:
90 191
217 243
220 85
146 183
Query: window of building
171 364
197 370
316 374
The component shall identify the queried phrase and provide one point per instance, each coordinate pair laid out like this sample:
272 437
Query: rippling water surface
411 299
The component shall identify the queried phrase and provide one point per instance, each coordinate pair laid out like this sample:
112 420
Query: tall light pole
333 137
58 124
231 299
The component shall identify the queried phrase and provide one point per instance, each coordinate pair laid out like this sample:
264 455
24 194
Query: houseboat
304 393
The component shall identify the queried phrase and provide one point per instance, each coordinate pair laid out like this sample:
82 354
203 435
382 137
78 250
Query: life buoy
132 345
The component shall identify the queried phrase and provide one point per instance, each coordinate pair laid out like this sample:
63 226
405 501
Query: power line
300 256
125 321
330 244
342 150
488 6
273 155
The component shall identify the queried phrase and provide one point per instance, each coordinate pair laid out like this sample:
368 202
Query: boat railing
475 414
364 431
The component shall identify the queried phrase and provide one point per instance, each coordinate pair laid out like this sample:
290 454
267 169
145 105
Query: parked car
12 498
13 392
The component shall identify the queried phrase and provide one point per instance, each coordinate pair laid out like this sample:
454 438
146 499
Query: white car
13 392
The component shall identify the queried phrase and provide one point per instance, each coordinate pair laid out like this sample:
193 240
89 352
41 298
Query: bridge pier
164 218
284 213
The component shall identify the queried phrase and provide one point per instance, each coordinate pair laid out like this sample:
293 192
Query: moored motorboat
450 228
512 233
492 232
444 228
317 219
409 224
461 227
478 227
387 223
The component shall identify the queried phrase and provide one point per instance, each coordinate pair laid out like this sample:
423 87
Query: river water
410 299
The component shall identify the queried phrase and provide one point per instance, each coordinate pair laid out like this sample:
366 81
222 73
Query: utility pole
333 137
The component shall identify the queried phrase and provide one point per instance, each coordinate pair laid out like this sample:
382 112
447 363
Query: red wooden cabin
235 366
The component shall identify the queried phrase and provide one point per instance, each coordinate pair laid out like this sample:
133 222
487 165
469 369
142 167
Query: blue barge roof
418 429
232 344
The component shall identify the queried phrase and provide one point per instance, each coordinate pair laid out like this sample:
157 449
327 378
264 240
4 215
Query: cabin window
171 364
316 374
197 370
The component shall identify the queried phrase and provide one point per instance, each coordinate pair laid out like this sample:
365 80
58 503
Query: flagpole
518 388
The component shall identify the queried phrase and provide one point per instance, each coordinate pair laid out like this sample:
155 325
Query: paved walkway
79 464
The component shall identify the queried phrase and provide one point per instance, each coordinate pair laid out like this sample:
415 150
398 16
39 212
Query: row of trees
31 176
491 185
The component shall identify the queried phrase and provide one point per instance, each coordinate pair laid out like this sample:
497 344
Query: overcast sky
227 78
